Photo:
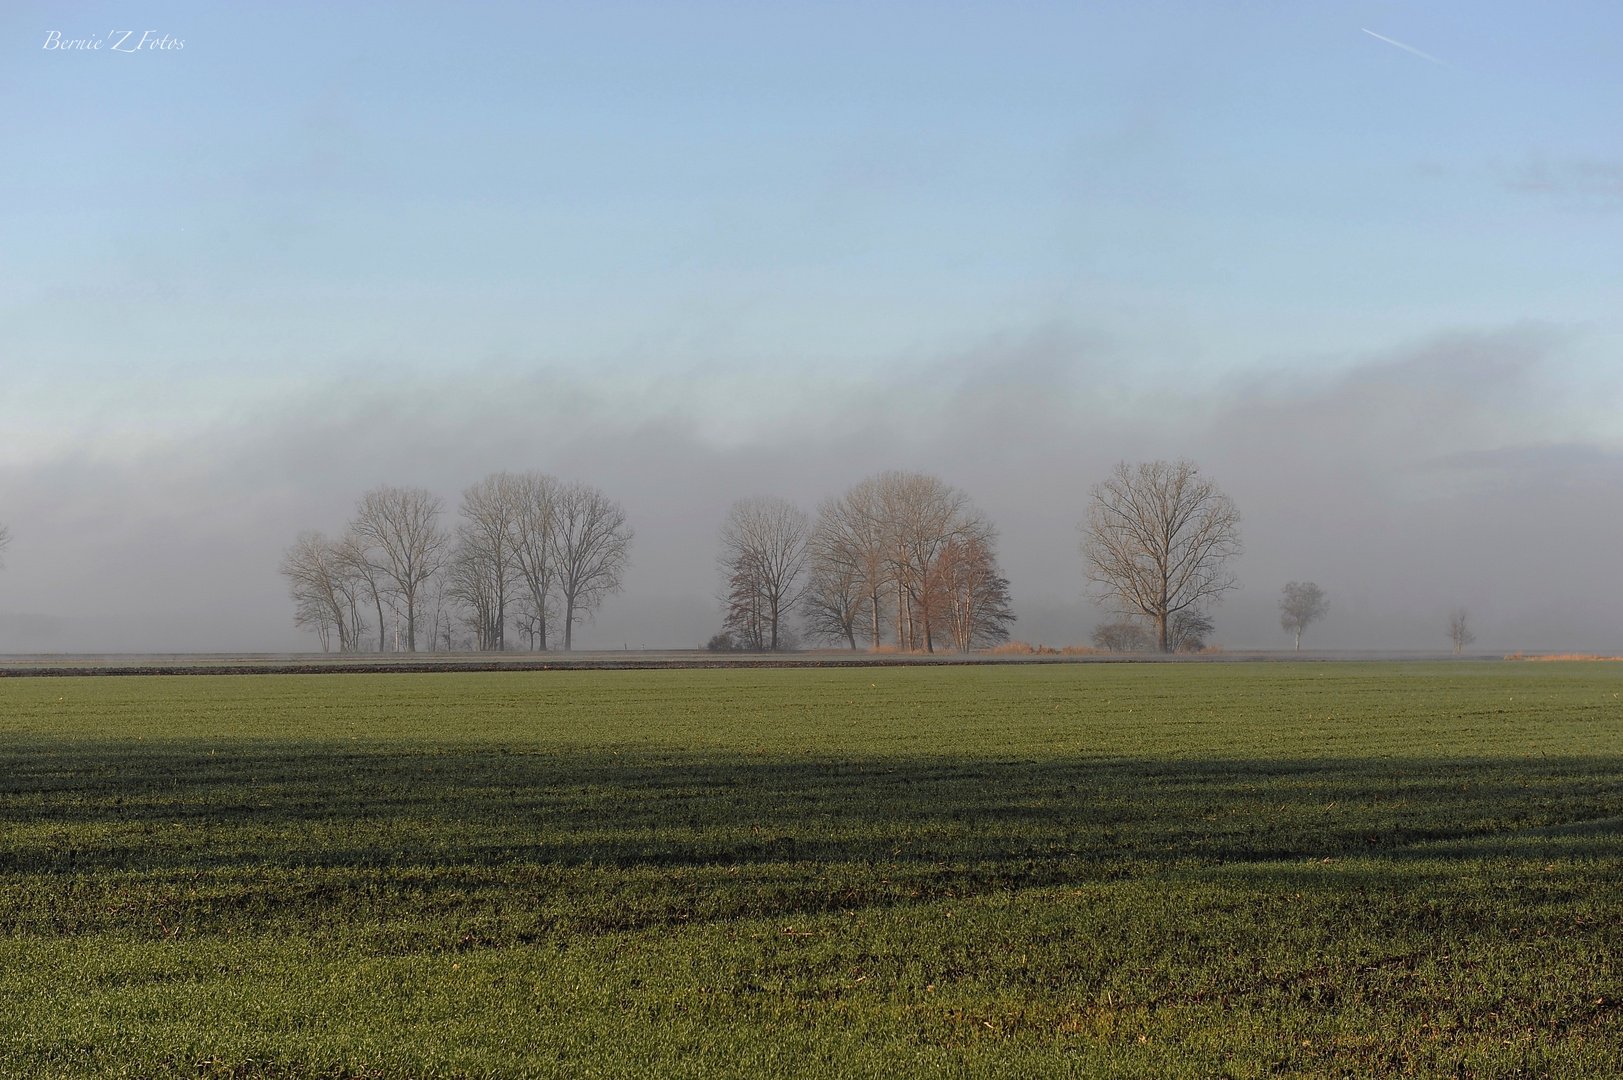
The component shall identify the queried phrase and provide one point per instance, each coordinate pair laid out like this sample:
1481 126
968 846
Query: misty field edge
675 660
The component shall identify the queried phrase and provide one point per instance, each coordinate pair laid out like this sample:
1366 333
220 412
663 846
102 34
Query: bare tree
922 515
1301 604
836 598
974 594
352 550
484 563
535 553
473 579
850 552
1458 632
593 543
404 541
314 605
745 620
763 554
326 590
1124 635
1158 541
845 569
5 542
909 550
436 621
1188 631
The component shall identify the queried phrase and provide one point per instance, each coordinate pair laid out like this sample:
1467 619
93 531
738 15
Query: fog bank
1472 469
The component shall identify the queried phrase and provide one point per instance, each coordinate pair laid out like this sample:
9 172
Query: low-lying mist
1470 470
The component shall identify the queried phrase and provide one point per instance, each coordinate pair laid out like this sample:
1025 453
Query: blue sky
710 214
303 188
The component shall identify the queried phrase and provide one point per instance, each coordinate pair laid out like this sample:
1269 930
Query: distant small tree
1300 604
1458 632
1123 635
5 542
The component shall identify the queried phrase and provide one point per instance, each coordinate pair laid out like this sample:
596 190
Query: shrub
1124 635
1022 648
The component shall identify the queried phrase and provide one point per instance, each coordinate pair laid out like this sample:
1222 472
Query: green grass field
1125 870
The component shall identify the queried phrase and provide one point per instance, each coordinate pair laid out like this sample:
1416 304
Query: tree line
900 558
529 551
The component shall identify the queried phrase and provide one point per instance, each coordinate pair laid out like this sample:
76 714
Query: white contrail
1405 48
